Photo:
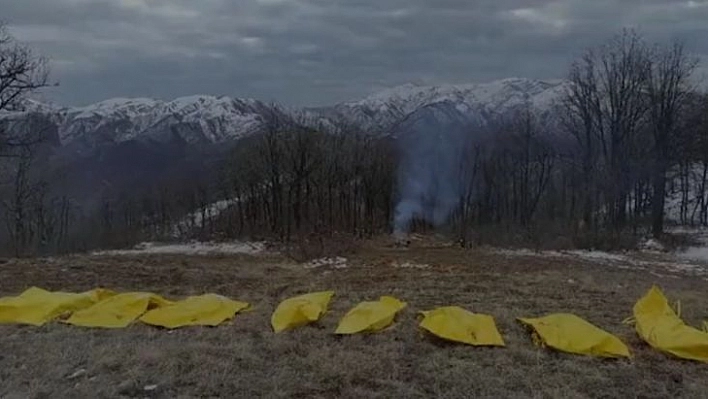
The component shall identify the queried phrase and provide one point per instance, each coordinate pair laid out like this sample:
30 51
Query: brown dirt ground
245 359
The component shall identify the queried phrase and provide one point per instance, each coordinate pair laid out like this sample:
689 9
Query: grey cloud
314 52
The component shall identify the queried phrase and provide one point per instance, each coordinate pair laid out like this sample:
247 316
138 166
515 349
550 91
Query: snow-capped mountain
384 110
205 119
194 119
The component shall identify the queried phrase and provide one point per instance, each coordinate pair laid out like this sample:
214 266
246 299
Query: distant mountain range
205 119
381 112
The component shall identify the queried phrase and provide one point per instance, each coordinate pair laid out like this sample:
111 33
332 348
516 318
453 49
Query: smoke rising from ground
431 154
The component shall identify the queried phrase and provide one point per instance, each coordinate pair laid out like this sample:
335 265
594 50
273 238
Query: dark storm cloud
306 52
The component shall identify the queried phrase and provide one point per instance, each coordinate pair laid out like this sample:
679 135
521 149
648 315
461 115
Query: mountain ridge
219 119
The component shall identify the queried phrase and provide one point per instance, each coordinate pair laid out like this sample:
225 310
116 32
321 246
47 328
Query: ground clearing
244 359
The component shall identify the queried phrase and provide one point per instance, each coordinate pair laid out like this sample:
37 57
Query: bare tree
27 211
607 105
668 89
581 102
31 213
21 72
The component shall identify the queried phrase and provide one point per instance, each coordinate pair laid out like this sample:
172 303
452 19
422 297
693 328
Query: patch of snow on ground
526 252
693 261
589 256
597 256
336 262
695 253
193 248
652 245
686 268
409 265
586 255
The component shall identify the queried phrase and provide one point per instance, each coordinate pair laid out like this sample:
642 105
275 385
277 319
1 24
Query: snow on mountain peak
113 105
194 101
381 110
196 118
479 92
212 119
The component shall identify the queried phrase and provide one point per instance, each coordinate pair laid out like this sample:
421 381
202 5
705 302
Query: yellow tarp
658 325
370 316
300 310
36 306
569 333
118 311
203 310
459 325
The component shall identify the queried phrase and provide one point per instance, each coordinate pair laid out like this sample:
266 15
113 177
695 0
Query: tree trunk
658 200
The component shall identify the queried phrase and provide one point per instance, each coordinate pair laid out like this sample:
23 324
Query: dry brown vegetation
245 359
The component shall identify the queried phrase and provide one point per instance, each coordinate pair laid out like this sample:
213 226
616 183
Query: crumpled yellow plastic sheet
300 310
370 316
456 324
118 311
203 310
658 325
37 307
569 333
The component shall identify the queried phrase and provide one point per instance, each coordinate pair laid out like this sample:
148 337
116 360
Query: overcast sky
315 52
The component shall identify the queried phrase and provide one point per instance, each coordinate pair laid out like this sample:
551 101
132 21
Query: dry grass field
245 359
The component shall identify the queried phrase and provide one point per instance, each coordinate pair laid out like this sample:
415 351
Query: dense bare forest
630 132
